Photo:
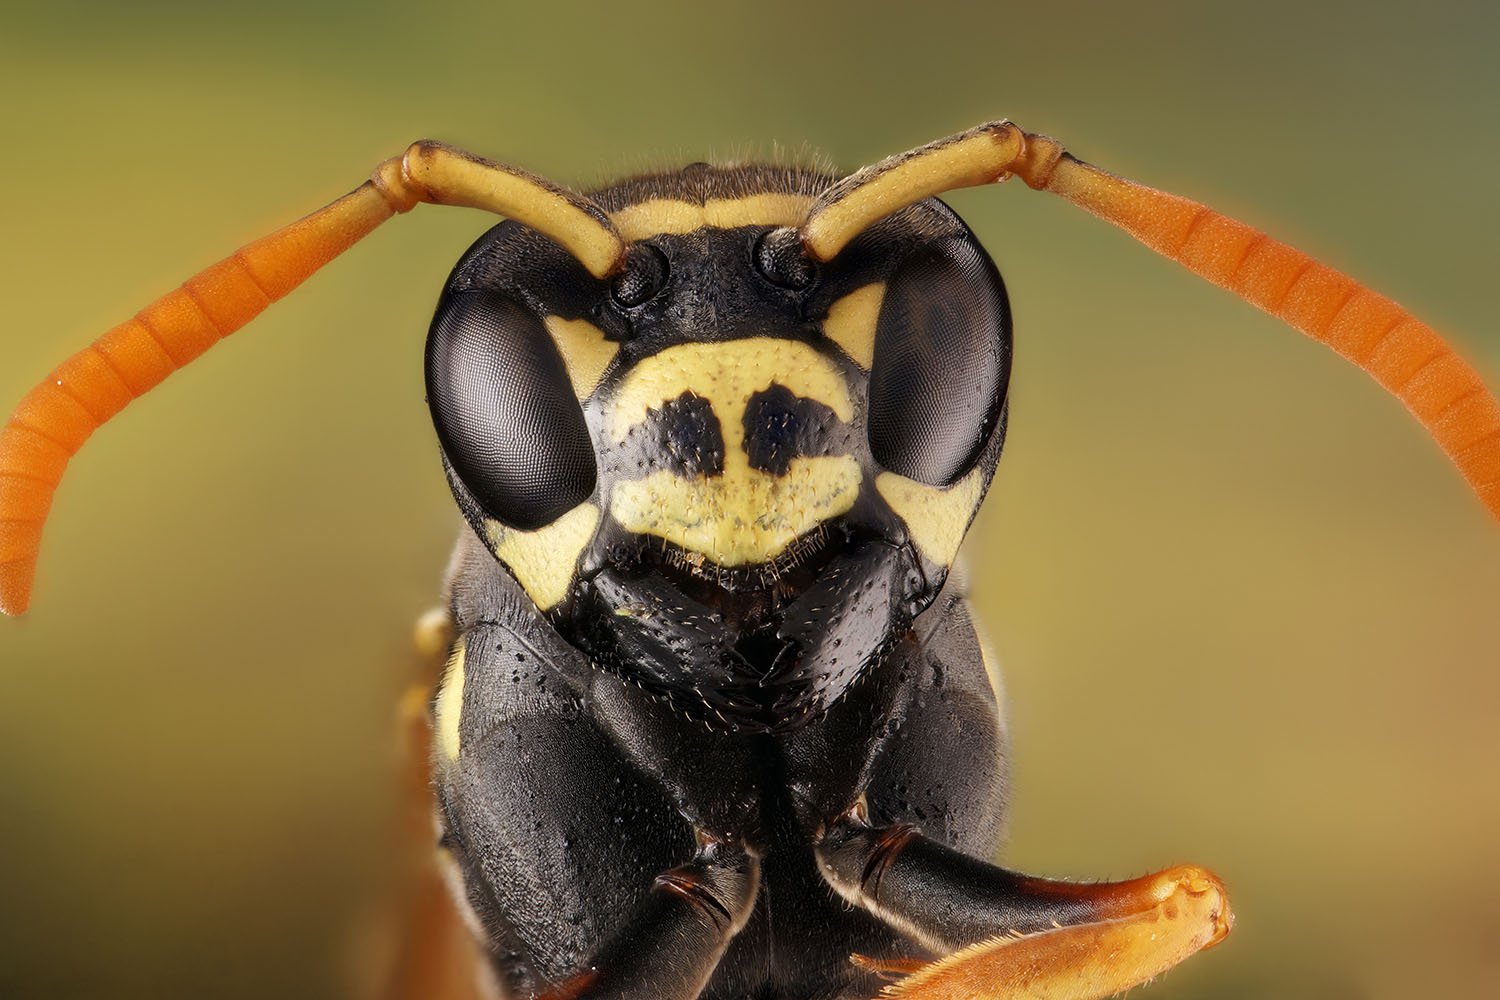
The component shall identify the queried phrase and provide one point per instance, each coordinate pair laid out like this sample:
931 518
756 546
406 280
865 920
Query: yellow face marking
585 351
671 216
745 515
544 561
449 705
726 375
851 323
936 518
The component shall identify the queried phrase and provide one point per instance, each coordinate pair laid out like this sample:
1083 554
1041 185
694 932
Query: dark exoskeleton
734 726
715 720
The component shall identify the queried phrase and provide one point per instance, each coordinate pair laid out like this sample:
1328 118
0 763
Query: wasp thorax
729 473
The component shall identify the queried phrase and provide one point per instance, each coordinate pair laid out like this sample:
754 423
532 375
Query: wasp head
727 471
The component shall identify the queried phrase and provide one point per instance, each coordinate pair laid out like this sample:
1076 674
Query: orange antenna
1402 353
57 417
981 155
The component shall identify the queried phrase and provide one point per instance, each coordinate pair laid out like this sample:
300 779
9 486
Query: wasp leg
1007 934
436 956
671 945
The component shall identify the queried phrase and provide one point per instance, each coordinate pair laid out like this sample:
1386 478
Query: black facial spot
690 436
681 436
780 426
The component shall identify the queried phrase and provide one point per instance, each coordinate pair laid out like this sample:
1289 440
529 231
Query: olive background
1248 614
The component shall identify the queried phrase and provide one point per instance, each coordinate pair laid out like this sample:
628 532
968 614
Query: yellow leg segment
1006 935
1161 920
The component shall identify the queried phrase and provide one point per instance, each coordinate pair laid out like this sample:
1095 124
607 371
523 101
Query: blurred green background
1248 614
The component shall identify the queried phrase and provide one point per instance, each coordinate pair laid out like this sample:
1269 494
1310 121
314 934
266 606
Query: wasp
714 720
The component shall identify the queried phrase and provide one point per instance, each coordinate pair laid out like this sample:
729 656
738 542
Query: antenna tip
15 586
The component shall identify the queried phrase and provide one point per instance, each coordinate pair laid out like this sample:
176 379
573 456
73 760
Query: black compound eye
782 260
505 410
942 362
644 275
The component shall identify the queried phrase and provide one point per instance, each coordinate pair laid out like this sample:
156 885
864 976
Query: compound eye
942 362
644 276
781 259
505 411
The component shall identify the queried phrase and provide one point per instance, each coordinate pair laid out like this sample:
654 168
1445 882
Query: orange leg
437 957
1175 914
1007 935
